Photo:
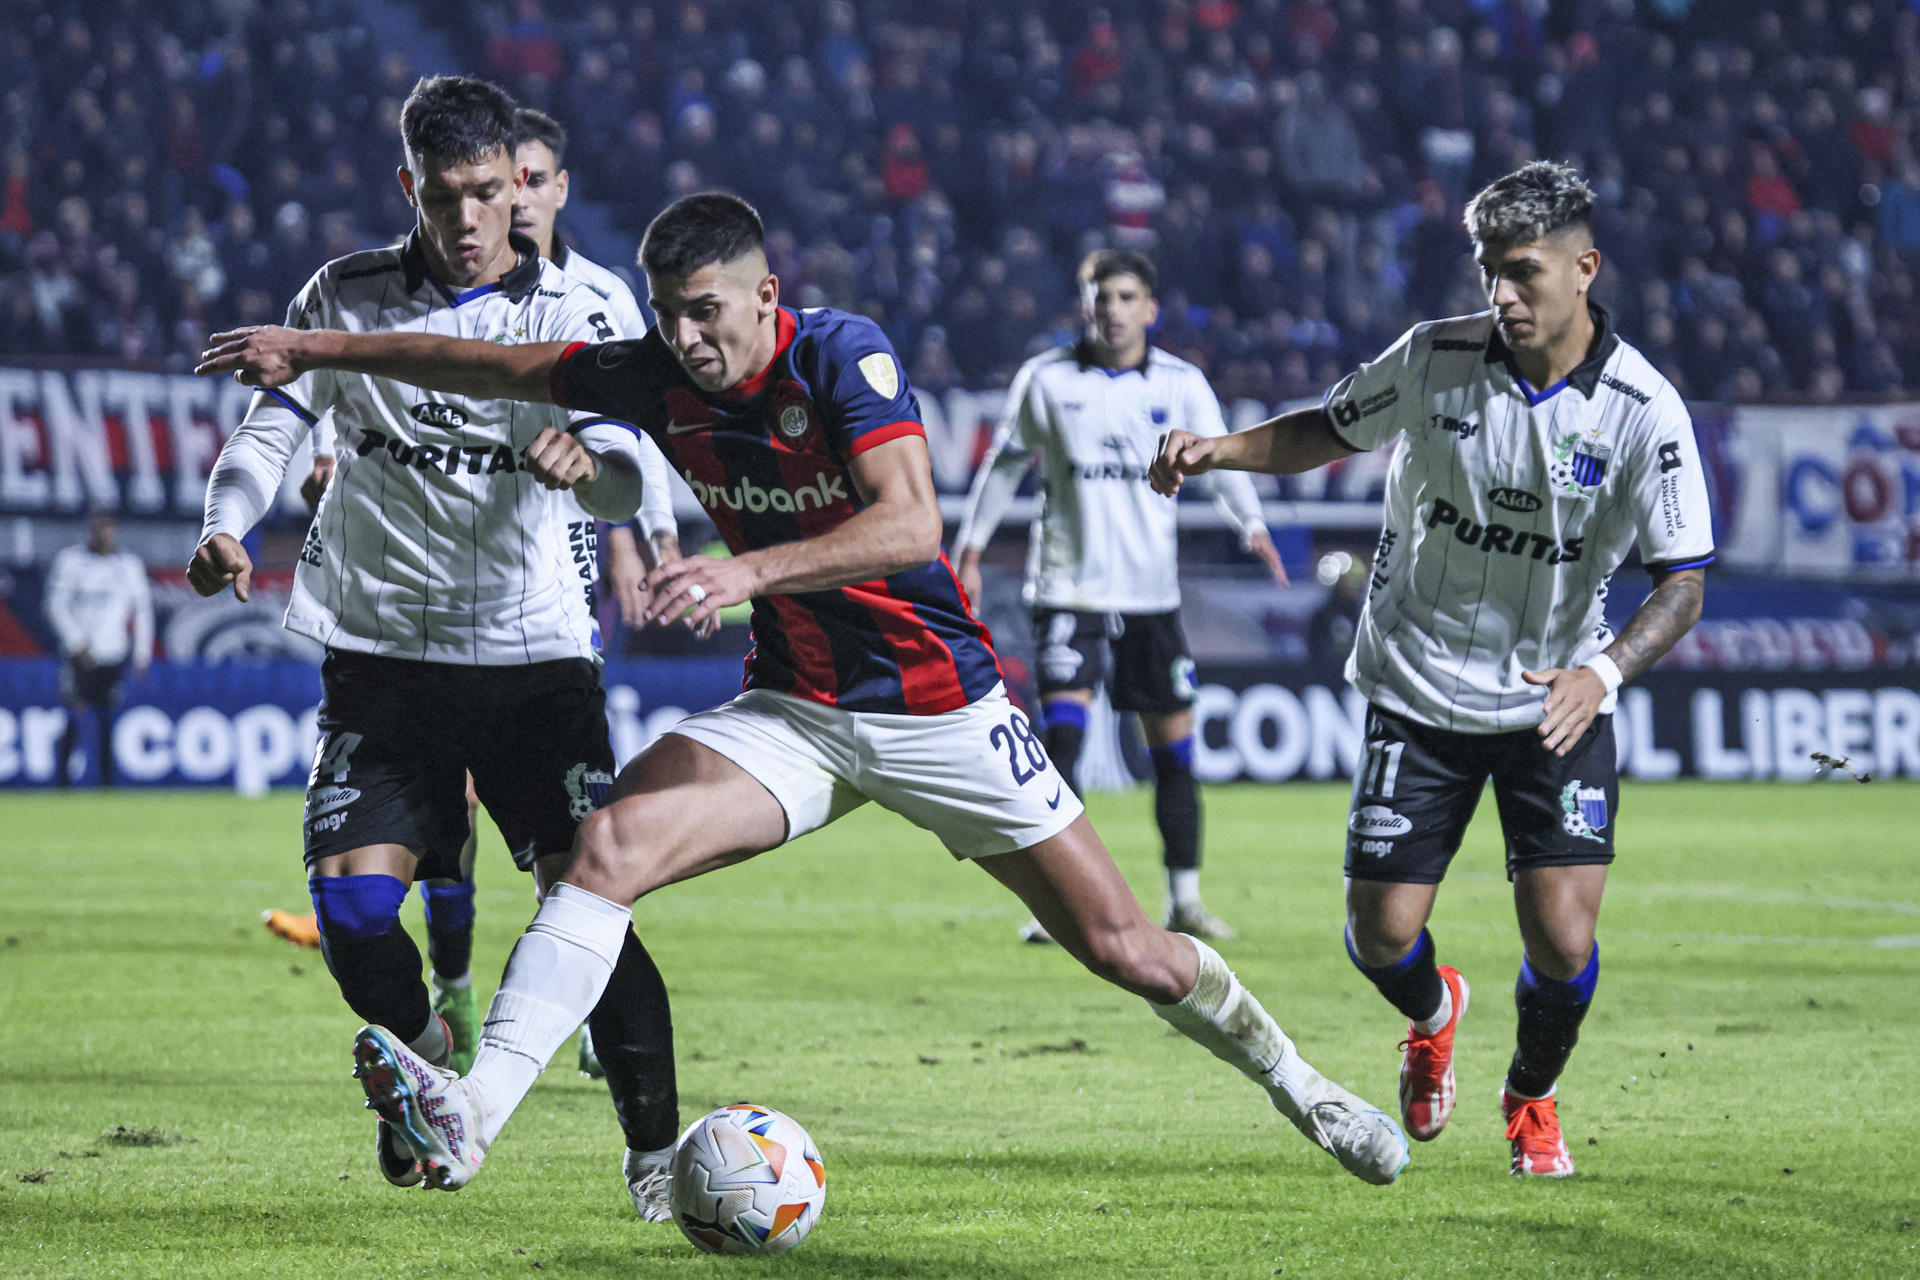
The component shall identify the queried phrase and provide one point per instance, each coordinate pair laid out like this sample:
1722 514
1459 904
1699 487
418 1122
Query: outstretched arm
1290 443
898 529
271 356
1574 694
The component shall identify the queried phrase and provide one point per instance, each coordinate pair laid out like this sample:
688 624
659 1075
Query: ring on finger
698 592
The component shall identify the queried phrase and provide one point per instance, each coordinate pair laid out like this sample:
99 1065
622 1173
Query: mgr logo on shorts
1585 810
587 790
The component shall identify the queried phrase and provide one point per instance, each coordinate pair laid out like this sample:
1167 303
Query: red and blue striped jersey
768 459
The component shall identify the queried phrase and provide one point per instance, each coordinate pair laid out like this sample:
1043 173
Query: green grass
1742 1102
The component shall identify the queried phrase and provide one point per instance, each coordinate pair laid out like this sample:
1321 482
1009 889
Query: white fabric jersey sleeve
246 476
1008 459
1377 401
1233 491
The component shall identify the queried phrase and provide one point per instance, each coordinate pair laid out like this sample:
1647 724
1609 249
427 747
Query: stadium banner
141 444
1825 491
250 726
1669 724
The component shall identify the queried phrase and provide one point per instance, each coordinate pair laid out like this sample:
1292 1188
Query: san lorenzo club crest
793 421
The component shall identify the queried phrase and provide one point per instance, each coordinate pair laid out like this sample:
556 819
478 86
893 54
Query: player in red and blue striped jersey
870 679
771 459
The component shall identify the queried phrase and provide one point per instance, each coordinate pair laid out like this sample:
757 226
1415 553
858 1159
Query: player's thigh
679 810
1071 885
382 775
393 860
1558 811
1413 796
1152 668
978 777
1070 652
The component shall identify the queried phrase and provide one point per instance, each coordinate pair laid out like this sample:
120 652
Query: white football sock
1441 1016
1223 1018
1183 886
433 1043
554 978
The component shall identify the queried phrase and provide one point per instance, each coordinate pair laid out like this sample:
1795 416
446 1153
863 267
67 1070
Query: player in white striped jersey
1535 450
457 637
540 143
1103 559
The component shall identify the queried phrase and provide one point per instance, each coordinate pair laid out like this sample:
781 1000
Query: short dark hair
537 126
698 230
1102 264
456 118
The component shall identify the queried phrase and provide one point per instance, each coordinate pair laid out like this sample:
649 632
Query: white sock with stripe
554 978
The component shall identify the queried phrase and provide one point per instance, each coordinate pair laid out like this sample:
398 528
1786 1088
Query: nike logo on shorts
1055 802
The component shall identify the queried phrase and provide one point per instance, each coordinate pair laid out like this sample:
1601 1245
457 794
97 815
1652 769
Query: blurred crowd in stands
1297 167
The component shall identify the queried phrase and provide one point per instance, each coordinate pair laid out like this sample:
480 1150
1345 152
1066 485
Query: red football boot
1533 1130
1426 1072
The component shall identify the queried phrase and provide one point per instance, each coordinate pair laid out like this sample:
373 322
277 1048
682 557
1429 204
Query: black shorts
94 686
397 739
1417 789
1142 657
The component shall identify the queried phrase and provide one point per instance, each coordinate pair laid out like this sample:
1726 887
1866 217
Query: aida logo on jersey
1513 499
1494 537
433 414
745 495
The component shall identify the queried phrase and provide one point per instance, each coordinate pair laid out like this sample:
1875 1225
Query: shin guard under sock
372 958
1549 1026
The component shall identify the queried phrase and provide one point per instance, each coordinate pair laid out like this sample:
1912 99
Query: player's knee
611 855
357 907
1377 939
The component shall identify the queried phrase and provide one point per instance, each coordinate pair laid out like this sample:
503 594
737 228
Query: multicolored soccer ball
746 1179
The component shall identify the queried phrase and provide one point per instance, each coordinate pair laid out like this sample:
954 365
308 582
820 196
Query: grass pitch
175 1098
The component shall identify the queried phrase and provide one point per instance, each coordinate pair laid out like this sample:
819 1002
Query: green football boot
456 1005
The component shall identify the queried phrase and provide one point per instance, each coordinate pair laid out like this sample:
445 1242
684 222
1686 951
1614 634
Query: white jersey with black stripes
433 541
1508 508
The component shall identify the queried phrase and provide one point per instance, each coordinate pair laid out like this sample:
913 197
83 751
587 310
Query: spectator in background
102 612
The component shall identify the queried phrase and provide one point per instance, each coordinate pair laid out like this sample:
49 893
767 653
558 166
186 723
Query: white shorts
977 777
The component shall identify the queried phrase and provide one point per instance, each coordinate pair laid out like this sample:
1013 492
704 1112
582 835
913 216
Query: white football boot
1363 1138
649 1176
425 1106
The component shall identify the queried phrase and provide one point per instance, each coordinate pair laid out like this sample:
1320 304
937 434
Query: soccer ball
746 1179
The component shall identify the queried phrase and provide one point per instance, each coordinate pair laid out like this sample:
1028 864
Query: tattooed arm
1657 625
1574 694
